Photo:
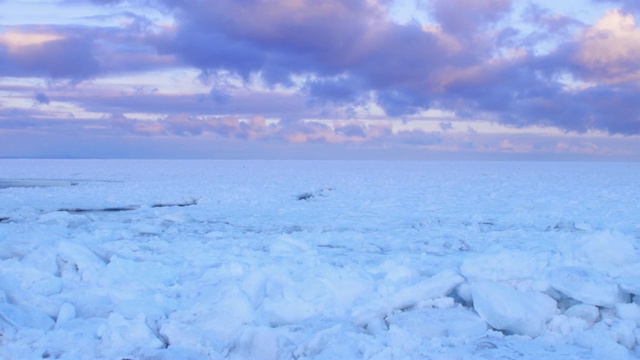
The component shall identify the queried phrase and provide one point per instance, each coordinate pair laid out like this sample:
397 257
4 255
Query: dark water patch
310 195
108 209
126 208
34 183
565 226
305 196
180 204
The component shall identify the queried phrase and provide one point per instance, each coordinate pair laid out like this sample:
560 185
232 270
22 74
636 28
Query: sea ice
207 260
457 322
513 311
587 285
588 313
503 265
24 316
606 247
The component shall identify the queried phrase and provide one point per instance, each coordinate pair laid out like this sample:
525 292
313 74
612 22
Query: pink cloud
610 49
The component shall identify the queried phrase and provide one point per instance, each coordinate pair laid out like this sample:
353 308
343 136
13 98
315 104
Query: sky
331 79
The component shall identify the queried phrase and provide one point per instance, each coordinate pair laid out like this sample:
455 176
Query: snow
134 259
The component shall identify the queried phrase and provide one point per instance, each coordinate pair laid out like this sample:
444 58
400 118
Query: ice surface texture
318 260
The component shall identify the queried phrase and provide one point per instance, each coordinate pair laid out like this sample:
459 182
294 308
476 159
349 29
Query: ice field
318 260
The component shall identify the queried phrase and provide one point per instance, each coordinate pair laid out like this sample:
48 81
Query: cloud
553 24
275 38
609 51
466 17
56 57
349 46
216 102
304 59
80 52
445 125
352 130
41 98
257 128
627 5
337 90
418 137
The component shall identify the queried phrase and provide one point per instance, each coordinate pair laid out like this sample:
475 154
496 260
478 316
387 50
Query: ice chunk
565 325
588 313
507 309
463 291
43 259
286 244
331 343
183 335
214 318
25 317
66 313
120 335
258 342
629 312
452 322
282 311
630 282
19 278
606 248
604 345
175 352
438 285
136 275
587 285
77 260
609 349
147 306
623 330
502 266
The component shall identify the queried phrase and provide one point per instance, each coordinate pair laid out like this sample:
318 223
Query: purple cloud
343 54
627 5
328 39
466 17
339 91
58 58
41 98
80 52
553 24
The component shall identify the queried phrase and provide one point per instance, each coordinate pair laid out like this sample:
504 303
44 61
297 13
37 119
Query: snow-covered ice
134 259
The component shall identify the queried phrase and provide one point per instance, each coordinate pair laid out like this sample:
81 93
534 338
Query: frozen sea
130 259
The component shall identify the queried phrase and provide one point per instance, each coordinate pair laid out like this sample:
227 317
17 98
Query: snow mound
513 311
587 285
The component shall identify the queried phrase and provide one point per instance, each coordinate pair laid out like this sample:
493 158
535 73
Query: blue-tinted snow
318 260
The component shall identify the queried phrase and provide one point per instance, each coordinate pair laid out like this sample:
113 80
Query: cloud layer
291 60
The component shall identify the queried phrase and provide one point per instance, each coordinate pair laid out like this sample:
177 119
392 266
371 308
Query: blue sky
406 79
